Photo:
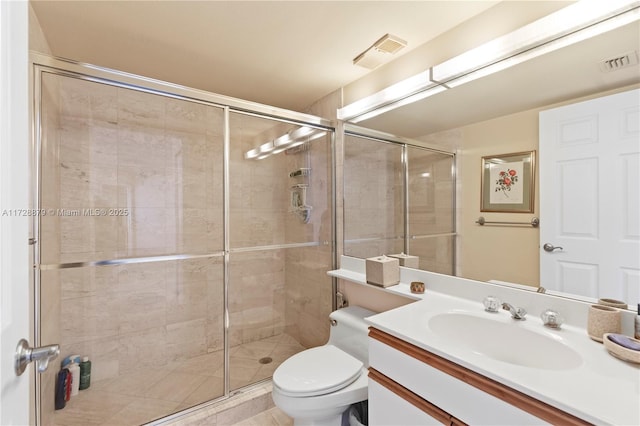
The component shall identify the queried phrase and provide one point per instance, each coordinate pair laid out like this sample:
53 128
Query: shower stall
183 240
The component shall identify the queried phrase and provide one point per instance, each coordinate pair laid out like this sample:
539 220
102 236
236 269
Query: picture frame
507 183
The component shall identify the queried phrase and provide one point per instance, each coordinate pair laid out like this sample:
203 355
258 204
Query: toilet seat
317 371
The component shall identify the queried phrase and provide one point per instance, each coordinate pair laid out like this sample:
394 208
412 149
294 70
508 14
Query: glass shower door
373 197
431 209
280 243
130 262
399 198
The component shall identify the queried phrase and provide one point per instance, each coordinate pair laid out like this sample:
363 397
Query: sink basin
506 342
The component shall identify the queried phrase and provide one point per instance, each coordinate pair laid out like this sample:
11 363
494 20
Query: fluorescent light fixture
425 174
266 147
252 153
260 151
282 143
425 93
572 24
387 96
576 22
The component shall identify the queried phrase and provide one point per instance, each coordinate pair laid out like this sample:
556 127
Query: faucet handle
551 318
491 304
521 313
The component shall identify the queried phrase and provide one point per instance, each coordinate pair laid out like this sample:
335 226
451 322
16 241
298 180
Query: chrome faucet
516 313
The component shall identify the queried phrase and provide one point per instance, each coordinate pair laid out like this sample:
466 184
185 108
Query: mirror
497 115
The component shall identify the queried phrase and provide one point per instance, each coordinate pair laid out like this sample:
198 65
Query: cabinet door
386 409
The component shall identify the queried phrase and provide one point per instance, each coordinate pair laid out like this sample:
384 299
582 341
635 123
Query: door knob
550 247
41 355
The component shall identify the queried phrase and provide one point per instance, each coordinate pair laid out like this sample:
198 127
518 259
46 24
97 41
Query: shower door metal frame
405 143
40 64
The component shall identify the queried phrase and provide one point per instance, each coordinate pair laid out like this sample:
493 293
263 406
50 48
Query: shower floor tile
142 396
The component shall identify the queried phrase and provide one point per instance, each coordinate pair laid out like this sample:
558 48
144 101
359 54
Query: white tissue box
383 271
407 260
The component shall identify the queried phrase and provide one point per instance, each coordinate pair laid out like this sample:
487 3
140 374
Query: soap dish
620 347
416 287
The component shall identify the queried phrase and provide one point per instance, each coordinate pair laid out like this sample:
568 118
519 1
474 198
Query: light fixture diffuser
282 143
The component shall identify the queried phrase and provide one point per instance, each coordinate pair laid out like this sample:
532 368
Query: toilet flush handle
333 322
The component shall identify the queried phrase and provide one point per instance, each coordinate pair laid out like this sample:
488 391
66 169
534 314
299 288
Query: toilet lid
317 371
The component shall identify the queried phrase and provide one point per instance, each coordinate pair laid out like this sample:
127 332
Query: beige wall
495 252
37 40
371 297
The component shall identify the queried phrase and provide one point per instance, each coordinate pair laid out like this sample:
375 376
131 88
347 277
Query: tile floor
272 417
153 393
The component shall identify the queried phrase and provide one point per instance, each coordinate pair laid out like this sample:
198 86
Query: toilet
317 385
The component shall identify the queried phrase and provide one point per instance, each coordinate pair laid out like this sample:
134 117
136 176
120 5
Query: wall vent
380 52
620 61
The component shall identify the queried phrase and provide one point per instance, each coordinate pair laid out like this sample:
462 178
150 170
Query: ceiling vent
620 61
380 52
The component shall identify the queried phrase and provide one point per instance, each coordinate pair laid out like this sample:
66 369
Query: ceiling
287 54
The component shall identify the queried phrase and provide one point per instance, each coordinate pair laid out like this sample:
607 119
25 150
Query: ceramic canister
601 320
613 303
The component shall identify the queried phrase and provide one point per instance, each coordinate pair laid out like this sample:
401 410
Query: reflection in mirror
373 197
499 114
398 199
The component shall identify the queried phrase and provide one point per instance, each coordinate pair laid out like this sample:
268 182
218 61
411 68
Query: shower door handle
41 355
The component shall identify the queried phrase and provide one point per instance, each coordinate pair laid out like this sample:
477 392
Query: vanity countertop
601 389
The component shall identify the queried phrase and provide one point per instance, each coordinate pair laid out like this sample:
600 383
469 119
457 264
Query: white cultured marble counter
601 390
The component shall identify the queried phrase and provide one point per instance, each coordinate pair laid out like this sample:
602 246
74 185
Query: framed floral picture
508 183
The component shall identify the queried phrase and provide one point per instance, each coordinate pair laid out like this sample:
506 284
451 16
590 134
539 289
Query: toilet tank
349 331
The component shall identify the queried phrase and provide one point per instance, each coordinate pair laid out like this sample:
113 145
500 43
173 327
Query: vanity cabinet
395 407
409 385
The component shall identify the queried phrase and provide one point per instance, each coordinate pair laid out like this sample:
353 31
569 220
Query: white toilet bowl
317 385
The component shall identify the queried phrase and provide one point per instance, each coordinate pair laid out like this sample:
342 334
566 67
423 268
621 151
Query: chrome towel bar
535 222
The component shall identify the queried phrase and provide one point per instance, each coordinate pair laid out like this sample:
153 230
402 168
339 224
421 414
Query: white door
14 178
590 198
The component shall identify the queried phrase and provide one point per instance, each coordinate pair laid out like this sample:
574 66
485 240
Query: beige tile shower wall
259 200
373 182
308 290
112 148
256 295
135 316
153 156
259 191
431 209
308 294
